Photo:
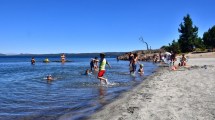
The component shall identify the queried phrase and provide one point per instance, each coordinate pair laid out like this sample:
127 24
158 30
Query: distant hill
108 54
90 55
2 54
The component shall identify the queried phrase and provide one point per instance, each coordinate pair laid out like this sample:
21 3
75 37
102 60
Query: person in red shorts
102 63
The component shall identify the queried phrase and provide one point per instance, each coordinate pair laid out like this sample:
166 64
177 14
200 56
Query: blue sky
85 26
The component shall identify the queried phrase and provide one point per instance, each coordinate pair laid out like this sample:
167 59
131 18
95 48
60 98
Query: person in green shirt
102 63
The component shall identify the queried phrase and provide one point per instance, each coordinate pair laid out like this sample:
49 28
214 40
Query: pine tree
209 38
188 36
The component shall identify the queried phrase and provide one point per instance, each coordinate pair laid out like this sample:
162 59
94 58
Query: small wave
109 84
113 84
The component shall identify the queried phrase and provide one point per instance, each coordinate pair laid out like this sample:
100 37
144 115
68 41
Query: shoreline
183 94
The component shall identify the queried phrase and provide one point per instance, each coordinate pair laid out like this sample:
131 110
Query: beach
185 94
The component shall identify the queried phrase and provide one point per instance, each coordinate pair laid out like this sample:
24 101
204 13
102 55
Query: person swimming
49 77
87 72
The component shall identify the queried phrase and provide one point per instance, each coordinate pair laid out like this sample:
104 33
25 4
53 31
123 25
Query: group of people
46 60
49 77
169 58
133 60
172 59
100 65
183 62
93 66
100 68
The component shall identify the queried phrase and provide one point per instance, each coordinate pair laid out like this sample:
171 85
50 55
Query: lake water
26 94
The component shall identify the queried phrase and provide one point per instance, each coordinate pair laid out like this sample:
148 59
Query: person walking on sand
102 63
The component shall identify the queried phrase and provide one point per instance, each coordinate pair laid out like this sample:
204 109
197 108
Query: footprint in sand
131 109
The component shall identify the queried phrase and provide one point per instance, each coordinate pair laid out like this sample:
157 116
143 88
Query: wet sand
185 94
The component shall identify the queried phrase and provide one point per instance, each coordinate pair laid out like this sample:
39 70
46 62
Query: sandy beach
184 94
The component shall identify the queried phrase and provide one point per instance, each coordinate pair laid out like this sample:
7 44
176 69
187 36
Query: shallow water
25 94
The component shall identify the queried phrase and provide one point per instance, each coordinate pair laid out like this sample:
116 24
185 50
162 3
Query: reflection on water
26 94
102 93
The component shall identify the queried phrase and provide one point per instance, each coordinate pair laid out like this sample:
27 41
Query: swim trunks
101 73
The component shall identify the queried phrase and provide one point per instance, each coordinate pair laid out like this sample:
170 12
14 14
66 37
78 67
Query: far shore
185 94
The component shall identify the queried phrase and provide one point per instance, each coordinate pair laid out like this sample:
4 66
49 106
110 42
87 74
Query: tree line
188 38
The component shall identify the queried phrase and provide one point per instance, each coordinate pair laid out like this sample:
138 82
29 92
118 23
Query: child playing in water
102 63
87 72
141 70
94 64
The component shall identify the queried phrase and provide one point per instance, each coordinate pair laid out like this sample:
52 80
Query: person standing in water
130 58
94 63
134 63
33 61
117 58
102 63
63 58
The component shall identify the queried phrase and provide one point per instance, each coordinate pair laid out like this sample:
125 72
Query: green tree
175 47
198 43
166 48
188 35
209 38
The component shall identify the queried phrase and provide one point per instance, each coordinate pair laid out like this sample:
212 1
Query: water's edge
87 116
128 92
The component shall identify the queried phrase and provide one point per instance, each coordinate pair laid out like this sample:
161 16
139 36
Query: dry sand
202 55
185 94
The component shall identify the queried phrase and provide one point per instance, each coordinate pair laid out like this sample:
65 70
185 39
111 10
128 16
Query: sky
87 26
